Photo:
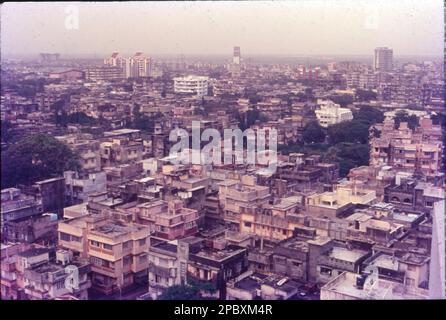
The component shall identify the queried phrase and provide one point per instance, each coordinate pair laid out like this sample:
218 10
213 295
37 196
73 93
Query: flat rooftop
345 284
112 229
344 254
119 132
252 282
34 252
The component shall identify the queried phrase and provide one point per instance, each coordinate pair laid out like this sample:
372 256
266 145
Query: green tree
368 115
313 133
365 95
343 99
81 118
181 292
36 158
403 116
348 131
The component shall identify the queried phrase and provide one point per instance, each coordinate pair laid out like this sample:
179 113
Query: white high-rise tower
383 59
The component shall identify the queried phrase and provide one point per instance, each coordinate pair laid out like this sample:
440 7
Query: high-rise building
140 65
134 67
236 59
117 61
383 59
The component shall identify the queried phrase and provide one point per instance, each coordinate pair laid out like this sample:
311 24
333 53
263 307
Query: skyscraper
134 67
236 59
383 59
140 65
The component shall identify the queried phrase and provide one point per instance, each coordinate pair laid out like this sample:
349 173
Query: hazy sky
410 27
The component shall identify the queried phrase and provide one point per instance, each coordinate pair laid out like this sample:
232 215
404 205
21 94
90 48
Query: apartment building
271 221
215 266
116 250
87 148
351 286
255 286
49 280
79 188
191 85
9 253
163 267
168 220
135 66
419 150
103 73
16 205
120 151
236 198
414 195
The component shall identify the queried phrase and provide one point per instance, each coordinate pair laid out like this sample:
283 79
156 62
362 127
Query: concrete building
330 113
140 65
237 198
351 286
120 151
116 250
16 205
383 60
9 273
420 150
103 73
168 220
195 85
50 280
236 58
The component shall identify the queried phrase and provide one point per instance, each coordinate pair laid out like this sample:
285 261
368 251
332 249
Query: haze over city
226 151
268 27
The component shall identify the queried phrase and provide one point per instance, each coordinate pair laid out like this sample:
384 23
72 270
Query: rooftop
350 255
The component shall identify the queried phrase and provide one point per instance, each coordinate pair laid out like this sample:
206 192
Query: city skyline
189 28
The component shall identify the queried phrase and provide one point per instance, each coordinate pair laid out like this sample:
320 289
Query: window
60 285
127 244
429 204
142 242
247 224
127 260
326 271
410 281
96 261
64 236
108 246
95 243
142 259
77 239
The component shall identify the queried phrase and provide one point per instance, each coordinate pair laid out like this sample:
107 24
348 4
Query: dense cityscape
96 206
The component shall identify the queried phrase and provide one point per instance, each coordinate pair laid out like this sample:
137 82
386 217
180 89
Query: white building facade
191 84
331 113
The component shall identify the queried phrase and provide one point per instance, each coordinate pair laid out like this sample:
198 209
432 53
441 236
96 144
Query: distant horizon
229 55
290 28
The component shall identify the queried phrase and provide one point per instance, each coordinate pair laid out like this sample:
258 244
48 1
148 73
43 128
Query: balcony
110 272
234 218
